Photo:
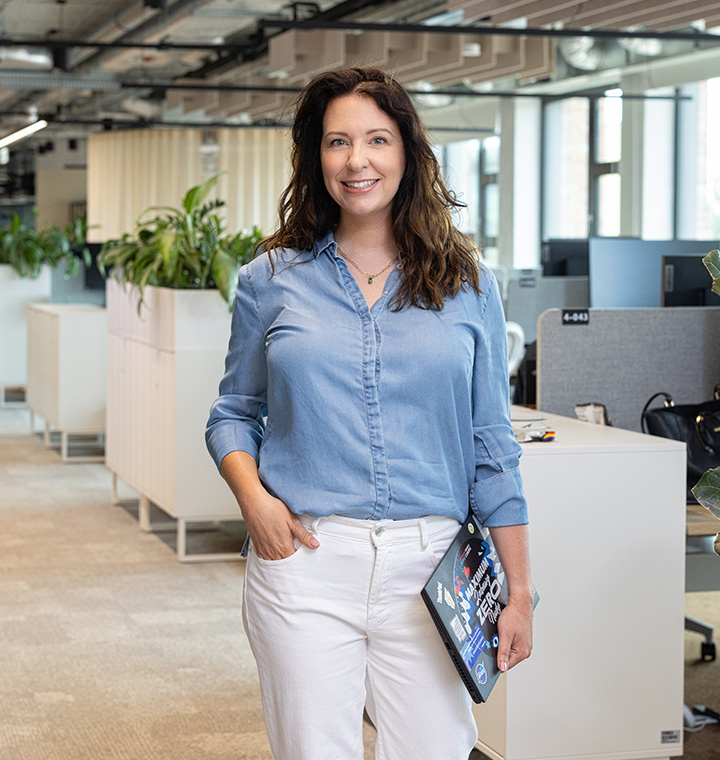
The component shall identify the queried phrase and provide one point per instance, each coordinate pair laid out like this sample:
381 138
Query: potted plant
26 257
27 251
181 248
167 337
707 489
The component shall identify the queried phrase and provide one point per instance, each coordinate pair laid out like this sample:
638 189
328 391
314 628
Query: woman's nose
357 158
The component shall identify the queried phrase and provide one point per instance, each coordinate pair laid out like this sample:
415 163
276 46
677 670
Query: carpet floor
110 649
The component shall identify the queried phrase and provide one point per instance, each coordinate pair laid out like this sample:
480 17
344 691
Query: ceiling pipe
154 25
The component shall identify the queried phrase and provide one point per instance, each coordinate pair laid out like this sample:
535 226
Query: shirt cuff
222 440
500 500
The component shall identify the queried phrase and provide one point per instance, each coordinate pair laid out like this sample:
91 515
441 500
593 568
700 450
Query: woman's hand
272 528
270 524
515 621
514 634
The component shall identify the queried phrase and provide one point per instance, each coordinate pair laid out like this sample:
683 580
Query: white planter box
16 293
164 367
66 370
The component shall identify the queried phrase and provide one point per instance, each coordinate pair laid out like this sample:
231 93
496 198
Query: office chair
516 345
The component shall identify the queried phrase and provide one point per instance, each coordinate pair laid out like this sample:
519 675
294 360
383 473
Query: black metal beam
140 84
109 124
63 44
351 26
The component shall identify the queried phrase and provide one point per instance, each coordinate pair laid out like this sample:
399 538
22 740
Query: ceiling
85 65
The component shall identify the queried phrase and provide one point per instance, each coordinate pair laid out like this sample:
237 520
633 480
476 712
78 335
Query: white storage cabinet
16 293
66 371
164 367
607 535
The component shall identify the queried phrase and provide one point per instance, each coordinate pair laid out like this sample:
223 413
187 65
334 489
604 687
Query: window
606 140
699 162
470 169
461 167
566 159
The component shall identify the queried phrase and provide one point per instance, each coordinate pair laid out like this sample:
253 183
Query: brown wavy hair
438 260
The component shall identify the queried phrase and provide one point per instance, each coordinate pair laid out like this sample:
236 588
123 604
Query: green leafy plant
27 250
707 489
181 248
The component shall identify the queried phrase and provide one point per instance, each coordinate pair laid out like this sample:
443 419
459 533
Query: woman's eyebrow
368 132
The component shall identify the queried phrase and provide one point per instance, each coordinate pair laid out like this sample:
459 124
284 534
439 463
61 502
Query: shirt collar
327 243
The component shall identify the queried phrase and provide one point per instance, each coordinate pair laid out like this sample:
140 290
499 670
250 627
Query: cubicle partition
621 357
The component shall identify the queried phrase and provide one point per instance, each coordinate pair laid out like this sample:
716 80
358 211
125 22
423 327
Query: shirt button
379 530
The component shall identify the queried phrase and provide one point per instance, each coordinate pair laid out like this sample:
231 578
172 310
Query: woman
374 343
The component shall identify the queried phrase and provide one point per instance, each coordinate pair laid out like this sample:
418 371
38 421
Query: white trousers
343 627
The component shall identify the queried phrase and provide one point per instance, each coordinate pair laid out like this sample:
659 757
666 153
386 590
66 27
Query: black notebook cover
465 596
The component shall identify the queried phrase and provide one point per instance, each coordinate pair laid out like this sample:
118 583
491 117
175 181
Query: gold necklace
370 277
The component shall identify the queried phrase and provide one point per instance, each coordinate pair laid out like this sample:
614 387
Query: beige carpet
112 650
702 679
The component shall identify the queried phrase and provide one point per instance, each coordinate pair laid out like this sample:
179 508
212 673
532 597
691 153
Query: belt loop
423 534
313 524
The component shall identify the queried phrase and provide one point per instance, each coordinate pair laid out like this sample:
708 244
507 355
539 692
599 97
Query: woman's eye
337 141
379 141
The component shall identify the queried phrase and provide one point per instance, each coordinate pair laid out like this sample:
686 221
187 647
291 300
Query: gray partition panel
529 296
621 357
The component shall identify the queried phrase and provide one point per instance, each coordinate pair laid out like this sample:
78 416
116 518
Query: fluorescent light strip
22 133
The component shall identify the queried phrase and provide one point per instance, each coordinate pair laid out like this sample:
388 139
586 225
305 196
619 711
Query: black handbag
697 425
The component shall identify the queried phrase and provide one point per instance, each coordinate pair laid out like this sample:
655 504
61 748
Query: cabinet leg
46 434
114 482
182 539
64 446
144 514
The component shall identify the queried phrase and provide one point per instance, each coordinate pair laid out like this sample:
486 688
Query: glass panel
491 210
491 155
608 205
462 173
566 160
609 127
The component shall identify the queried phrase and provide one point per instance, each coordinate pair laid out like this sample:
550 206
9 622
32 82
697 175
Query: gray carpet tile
110 649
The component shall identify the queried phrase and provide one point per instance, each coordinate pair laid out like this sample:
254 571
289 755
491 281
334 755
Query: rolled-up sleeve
497 495
236 421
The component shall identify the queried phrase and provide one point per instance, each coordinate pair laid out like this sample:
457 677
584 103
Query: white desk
607 532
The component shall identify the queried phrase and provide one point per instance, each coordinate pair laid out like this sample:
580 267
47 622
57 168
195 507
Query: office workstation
589 176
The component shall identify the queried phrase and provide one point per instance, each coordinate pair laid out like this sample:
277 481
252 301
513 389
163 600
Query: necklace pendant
370 279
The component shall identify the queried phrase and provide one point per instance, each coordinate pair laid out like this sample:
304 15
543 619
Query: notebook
465 596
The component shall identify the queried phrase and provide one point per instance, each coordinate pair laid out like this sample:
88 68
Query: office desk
607 532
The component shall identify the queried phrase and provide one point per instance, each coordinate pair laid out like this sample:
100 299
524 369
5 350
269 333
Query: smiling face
362 156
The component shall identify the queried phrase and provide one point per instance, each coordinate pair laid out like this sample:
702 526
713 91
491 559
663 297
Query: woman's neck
366 239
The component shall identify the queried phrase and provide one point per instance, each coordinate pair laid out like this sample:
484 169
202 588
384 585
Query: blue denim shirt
371 413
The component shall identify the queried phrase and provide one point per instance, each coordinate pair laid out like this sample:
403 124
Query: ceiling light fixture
31 129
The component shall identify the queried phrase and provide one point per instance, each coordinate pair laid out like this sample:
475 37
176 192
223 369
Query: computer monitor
627 272
565 258
687 282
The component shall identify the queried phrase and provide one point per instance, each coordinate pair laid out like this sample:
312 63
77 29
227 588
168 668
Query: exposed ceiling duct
127 56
